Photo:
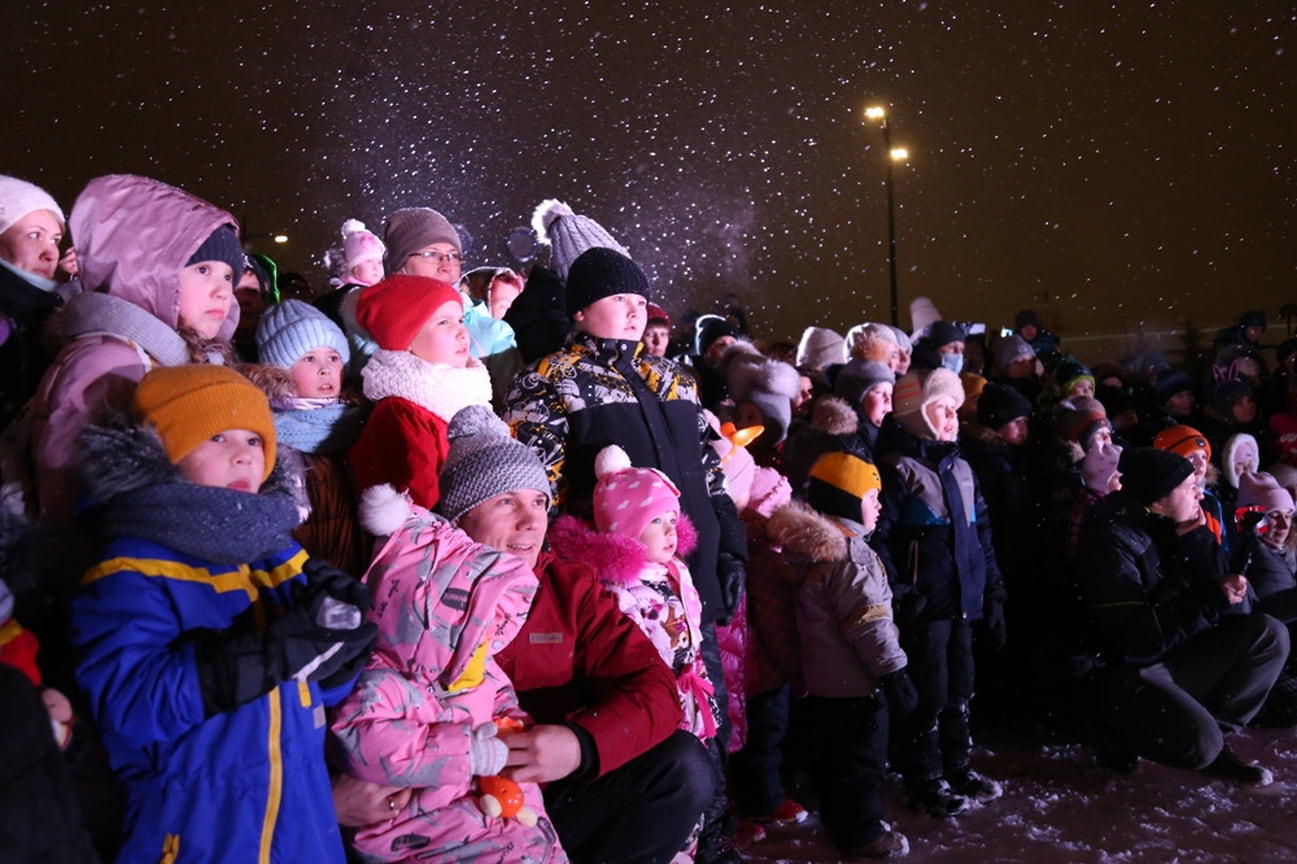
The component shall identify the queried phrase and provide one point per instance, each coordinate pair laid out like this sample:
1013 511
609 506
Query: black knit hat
1149 475
221 245
709 328
944 332
598 273
1000 404
1170 382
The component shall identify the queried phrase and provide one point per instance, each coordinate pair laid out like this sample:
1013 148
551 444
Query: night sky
1109 164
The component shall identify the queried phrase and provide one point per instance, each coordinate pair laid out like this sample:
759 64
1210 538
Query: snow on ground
1059 807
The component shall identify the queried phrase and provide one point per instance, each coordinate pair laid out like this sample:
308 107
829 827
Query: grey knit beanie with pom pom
569 234
484 461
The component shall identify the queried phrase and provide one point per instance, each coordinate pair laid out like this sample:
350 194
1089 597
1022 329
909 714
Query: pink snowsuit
444 606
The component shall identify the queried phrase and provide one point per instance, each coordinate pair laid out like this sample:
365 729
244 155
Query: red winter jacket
579 660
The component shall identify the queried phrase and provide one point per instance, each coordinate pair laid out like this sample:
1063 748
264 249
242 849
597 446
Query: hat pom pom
383 510
352 226
610 460
476 420
545 215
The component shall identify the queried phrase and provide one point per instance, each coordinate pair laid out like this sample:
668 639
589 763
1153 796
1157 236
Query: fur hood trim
616 559
275 382
834 415
119 456
798 528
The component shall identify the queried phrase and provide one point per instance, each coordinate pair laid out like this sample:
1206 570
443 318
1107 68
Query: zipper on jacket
276 790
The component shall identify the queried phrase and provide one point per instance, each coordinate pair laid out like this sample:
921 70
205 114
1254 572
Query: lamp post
898 154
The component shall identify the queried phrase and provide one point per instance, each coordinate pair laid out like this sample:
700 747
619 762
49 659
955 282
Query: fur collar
799 529
439 388
618 560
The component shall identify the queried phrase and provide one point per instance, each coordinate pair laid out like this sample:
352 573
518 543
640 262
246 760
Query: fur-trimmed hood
801 530
119 455
833 414
617 559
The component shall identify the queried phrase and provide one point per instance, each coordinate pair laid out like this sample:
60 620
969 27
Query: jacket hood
834 415
616 559
800 529
133 236
119 455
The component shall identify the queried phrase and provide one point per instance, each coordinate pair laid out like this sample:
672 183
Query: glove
733 577
993 621
237 666
907 605
487 753
323 576
902 698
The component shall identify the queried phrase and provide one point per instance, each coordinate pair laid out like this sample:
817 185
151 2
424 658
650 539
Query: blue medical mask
953 362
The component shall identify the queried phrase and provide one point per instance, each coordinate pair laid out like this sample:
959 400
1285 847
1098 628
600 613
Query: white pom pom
351 226
545 214
383 510
610 460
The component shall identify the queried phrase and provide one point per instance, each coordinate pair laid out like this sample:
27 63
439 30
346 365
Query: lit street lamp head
875 112
899 154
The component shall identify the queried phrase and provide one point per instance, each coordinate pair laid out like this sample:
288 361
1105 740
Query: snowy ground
1059 806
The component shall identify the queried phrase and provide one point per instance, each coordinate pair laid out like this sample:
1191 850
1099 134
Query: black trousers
640 812
935 740
756 770
849 765
1177 712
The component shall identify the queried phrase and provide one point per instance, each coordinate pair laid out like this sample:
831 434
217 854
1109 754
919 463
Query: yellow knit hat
189 404
849 473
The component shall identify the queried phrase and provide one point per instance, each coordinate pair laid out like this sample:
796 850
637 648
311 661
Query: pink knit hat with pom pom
626 498
360 244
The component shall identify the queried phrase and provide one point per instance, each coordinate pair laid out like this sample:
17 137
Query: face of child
1245 460
805 392
367 272
1244 410
1015 431
621 316
233 459
659 537
877 403
443 338
1181 404
717 348
656 339
206 292
32 243
1198 458
903 359
1278 525
870 508
893 356
1083 387
317 373
1022 367
941 413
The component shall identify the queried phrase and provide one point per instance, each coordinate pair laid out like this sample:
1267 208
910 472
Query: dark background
1110 164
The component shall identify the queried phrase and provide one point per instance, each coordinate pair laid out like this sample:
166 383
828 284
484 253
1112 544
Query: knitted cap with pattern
407 231
189 404
626 498
839 482
18 198
394 310
288 330
484 460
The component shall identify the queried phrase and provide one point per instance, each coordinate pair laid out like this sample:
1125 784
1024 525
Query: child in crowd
851 653
360 260
424 713
935 538
642 540
304 356
208 643
419 377
657 332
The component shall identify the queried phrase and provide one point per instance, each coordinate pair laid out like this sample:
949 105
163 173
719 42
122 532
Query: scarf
103 313
439 388
323 429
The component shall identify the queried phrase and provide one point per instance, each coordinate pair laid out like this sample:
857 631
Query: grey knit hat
407 231
568 234
484 461
857 377
288 330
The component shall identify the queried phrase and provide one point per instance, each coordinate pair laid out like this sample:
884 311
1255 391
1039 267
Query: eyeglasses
438 257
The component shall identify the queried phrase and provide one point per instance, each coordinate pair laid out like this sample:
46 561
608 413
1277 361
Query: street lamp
878 114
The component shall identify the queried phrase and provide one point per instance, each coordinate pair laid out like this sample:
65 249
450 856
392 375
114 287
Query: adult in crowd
1179 670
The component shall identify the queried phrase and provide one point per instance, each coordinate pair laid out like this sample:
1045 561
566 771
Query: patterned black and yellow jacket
571 404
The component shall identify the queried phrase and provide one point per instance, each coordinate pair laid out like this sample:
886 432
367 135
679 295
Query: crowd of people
507 565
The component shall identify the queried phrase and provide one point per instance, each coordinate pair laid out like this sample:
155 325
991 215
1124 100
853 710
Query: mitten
487 753
902 698
323 576
993 621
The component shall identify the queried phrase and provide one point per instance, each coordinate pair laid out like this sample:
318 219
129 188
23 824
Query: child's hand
57 705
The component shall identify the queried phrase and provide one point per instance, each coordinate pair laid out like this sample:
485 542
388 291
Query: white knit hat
18 198
819 347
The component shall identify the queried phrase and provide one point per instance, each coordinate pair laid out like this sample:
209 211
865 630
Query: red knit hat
394 310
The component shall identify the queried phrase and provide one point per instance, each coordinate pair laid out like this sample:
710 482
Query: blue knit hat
288 330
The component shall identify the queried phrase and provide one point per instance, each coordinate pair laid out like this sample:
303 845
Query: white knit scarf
440 388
